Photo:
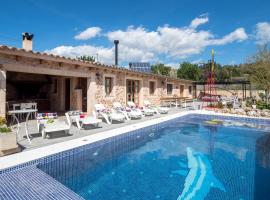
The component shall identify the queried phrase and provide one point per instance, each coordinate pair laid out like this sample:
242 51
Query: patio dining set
21 112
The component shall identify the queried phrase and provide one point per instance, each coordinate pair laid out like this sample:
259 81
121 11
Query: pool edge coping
35 154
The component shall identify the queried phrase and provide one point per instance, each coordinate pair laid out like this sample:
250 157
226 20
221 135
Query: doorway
67 94
133 90
83 86
182 88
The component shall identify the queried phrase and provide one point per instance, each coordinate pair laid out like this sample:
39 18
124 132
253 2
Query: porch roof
61 59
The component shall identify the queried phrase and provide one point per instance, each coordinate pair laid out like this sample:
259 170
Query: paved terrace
57 137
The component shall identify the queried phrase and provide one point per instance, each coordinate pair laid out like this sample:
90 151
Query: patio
37 141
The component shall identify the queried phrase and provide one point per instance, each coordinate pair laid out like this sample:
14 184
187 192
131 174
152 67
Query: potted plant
8 139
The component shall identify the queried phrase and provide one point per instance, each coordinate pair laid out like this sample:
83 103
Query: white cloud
237 35
105 55
138 38
262 32
165 44
88 33
199 21
73 51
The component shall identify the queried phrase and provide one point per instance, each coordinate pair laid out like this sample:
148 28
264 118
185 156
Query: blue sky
170 31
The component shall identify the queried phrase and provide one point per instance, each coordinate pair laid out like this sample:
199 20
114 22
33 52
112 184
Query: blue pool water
187 158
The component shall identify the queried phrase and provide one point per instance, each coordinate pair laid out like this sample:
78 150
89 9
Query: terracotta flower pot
8 144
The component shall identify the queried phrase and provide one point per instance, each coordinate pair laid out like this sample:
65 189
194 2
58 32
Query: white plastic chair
25 106
119 108
157 109
80 122
131 105
101 112
146 111
128 112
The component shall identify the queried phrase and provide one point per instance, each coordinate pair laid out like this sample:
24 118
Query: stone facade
60 69
2 92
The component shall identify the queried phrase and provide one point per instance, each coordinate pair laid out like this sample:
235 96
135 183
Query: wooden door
182 88
133 91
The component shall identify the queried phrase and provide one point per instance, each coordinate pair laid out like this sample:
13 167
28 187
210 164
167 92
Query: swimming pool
192 157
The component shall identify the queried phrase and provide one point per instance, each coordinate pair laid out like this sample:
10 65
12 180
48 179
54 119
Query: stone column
91 92
3 93
61 93
75 95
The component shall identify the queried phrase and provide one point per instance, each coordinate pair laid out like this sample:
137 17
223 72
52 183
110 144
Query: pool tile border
55 151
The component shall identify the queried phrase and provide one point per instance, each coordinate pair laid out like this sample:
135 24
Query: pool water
192 157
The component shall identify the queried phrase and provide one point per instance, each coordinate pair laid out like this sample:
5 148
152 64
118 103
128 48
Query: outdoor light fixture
98 76
162 83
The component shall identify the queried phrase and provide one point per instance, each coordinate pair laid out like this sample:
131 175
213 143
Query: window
190 90
108 85
169 89
151 87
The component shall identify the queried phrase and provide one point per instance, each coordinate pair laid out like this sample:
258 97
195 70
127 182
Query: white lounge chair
54 125
144 111
109 116
157 109
129 113
118 108
81 119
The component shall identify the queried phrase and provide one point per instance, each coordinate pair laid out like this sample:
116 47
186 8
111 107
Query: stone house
60 84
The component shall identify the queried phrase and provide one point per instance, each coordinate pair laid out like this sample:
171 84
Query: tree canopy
195 72
258 69
189 71
87 58
161 69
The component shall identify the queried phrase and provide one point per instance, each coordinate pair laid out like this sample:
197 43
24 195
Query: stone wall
59 68
2 93
119 89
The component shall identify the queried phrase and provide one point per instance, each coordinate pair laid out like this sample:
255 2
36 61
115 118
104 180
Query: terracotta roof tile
3 47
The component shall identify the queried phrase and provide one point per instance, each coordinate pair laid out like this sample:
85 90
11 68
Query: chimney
116 42
27 42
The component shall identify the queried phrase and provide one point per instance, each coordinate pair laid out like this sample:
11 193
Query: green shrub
262 105
5 129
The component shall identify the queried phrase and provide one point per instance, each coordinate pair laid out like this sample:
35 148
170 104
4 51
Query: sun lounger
118 108
109 116
82 119
129 113
50 123
147 111
144 111
157 109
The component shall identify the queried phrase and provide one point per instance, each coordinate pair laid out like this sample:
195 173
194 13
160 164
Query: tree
161 69
190 71
258 70
87 58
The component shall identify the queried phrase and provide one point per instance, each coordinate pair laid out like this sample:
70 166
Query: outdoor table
27 112
174 99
